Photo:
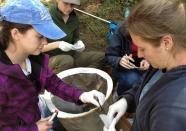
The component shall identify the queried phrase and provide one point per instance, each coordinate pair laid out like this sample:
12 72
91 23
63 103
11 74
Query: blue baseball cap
31 12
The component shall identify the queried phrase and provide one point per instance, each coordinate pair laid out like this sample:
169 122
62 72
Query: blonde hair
2 2
153 19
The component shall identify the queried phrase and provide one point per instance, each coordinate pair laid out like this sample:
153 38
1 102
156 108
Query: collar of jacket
174 73
55 12
4 58
14 70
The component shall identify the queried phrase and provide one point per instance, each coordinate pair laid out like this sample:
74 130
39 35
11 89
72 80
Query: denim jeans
126 79
45 112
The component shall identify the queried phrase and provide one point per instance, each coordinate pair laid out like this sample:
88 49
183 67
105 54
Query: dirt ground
91 38
93 31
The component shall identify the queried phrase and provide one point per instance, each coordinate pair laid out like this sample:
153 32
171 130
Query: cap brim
72 2
49 30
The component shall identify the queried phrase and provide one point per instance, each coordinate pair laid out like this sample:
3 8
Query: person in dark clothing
24 72
158 29
119 50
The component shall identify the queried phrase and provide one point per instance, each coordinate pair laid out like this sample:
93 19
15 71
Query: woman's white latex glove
116 111
79 46
111 127
93 97
65 46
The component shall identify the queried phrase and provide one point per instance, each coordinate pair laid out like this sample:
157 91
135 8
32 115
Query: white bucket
85 121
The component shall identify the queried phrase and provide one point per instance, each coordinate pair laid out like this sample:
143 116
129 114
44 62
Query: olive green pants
62 62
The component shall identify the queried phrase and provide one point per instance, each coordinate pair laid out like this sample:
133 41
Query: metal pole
92 15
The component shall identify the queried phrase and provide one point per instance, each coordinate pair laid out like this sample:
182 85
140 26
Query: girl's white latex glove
79 46
116 111
93 97
65 46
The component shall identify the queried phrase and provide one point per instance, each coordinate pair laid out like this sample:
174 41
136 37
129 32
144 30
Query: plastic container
85 117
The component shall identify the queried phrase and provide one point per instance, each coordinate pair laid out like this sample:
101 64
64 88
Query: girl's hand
44 124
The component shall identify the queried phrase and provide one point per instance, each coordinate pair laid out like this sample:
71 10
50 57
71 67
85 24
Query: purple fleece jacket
19 94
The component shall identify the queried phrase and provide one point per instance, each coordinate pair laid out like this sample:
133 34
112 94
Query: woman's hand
111 127
125 62
116 111
144 65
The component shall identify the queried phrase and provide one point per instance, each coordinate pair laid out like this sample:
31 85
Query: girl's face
156 56
31 42
65 8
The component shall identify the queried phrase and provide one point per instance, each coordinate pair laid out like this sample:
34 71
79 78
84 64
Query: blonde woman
158 28
24 72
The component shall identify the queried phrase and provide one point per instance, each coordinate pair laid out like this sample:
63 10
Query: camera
136 61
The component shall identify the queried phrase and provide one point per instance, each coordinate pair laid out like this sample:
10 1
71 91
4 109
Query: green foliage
111 10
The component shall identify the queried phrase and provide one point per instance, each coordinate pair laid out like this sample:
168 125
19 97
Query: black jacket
163 107
119 45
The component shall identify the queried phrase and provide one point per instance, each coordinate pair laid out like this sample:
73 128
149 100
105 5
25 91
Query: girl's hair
5 32
153 19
